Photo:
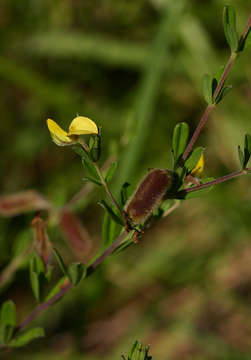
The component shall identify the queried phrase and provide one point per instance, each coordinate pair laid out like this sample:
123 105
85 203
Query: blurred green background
135 67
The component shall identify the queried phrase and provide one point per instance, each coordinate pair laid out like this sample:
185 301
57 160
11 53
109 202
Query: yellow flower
199 167
80 125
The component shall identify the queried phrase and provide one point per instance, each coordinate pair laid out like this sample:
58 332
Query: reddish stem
216 181
219 87
42 307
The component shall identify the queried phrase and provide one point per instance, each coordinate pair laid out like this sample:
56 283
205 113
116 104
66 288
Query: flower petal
59 136
81 125
199 167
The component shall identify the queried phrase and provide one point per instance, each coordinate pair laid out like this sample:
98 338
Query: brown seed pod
148 196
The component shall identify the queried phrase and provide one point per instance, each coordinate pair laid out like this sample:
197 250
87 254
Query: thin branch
246 31
197 131
104 183
217 91
68 286
216 181
87 188
108 191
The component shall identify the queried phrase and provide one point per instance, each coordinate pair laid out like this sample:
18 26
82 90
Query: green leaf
94 181
8 313
241 157
76 272
35 284
110 211
80 151
90 169
110 230
6 332
247 41
247 143
106 229
111 171
179 141
223 92
56 288
229 23
207 88
60 261
247 150
125 193
37 275
219 74
193 158
27 337
139 352
95 147
37 265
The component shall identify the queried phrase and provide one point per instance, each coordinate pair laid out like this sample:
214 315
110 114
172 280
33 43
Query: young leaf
80 151
207 88
95 147
7 321
193 159
8 313
27 337
110 211
110 229
124 193
139 352
90 169
247 40
241 157
94 181
247 150
111 171
60 261
223 92
179 141
76 272
106 229
229 23
35 284
37 265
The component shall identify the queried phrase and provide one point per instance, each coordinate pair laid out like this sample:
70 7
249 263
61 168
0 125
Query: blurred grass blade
148 92
87 46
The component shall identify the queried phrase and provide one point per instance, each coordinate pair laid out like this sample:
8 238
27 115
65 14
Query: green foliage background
135 68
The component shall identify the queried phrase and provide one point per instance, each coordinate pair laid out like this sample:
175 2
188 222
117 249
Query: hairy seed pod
148 195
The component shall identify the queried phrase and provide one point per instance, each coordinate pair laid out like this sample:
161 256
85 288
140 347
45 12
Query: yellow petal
59 136
82 126
199 167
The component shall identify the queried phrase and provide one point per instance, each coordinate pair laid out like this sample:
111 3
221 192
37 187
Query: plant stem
197 131
218 89
245 32
104 183
68 286
216 181
108 191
